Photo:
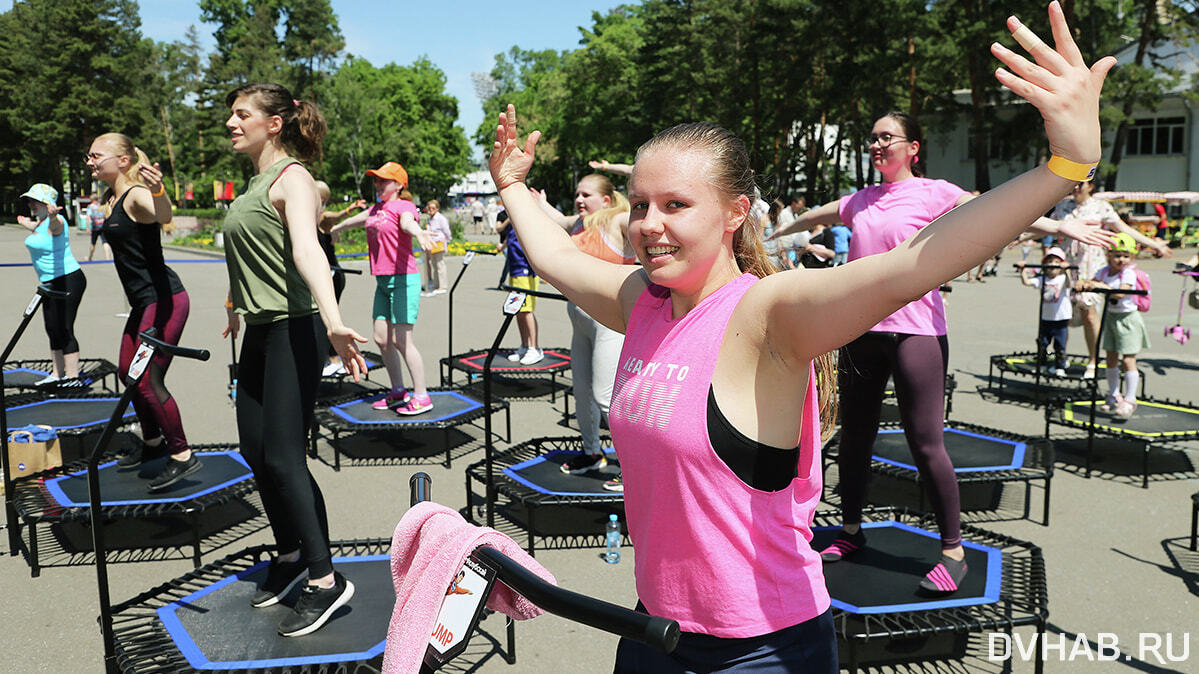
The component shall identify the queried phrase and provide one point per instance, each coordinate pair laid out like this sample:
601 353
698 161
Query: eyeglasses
884 140
96 157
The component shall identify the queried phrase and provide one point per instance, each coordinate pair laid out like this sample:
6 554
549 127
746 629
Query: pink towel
430 544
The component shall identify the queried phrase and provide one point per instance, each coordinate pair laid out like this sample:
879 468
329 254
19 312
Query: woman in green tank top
279 279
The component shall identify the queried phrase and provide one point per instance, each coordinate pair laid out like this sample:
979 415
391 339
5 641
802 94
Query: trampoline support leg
1045 514
35 564
532 510
336 451
195 518
1145 465
445 438
1195 526
510 654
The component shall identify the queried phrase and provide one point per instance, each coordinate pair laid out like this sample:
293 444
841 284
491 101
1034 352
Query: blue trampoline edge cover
196 658
55 485
1018 450
993 579
463 405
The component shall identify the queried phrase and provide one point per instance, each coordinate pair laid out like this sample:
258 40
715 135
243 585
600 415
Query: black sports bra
757 465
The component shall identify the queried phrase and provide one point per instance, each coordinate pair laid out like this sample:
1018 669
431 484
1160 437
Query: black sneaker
583 463
280 576
134 456
315 606
174 471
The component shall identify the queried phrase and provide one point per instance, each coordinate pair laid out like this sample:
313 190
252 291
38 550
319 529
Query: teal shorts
397 298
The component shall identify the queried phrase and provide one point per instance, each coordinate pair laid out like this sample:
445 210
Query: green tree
70 70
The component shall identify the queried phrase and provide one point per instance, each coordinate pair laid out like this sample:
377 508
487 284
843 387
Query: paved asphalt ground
1116 559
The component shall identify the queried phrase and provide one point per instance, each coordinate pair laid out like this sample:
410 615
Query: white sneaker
516 355
48 379
1059 372
440 291
1089 373
333 369
533 356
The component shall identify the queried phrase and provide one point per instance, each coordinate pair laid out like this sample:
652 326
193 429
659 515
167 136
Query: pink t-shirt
390 247
882 217
713 553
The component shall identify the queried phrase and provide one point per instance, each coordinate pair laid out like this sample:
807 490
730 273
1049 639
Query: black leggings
278 373
918 364
59 315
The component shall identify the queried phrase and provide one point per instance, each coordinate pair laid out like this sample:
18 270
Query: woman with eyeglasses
137 205
909 346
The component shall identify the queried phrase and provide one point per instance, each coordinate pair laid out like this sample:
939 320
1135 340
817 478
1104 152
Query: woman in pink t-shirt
705 281
391 224
909 346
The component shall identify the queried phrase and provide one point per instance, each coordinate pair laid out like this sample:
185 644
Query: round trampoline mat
1149 420
544 474
215 628
884 576
128 486
1076 366
446 406
65 413
555 361
969 452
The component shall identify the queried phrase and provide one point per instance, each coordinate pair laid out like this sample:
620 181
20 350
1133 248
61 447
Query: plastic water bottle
612 556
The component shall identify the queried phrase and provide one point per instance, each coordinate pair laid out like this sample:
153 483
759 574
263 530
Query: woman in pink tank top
705 315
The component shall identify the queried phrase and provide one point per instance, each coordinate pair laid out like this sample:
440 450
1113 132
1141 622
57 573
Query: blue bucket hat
43 193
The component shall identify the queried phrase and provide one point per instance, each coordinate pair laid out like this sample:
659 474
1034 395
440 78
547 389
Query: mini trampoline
338 387
1155 422
983 459
513 380
73 417
451 408
1014 378
554 509
203 620
60 497
883 619
24 374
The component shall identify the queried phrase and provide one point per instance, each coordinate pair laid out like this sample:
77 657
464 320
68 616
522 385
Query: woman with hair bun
599 231
722 475
137 206
280 281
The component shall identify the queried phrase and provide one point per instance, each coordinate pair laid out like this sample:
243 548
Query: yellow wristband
1072 170
162 189
228 304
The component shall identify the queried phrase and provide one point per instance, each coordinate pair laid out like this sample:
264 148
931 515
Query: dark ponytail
303 125
914 133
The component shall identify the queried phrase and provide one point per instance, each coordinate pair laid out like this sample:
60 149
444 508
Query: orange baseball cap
390 171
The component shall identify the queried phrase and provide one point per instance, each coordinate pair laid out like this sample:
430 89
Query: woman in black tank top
136 203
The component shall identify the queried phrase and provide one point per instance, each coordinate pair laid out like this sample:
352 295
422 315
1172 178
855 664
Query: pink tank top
390 247
713 553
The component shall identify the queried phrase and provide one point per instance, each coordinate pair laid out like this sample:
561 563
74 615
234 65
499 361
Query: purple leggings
918 364
156 409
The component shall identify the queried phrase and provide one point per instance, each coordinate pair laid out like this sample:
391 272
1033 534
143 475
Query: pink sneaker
1111 403
415 405
1125 409
392 400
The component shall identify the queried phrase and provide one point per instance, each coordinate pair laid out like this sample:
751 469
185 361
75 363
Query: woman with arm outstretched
721 476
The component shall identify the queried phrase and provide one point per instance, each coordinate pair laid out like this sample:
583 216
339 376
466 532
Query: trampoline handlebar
1046 266
345 270
533 293
175 350
421 486
1117 291
655 631
50 293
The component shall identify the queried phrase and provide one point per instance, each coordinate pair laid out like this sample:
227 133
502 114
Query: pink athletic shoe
392 400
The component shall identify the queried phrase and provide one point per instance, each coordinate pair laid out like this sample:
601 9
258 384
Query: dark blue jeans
1055 332
810 646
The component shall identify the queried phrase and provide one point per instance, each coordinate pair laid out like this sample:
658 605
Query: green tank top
263 280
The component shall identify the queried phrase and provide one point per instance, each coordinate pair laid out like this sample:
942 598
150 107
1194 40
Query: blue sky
459 36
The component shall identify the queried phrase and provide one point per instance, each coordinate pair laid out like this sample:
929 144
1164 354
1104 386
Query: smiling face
895 160
589 197
680 224
249 127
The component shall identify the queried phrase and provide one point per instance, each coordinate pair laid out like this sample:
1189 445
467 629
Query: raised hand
345 341
509 162
1059 85
151 175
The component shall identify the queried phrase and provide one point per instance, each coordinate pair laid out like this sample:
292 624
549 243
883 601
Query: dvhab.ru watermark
1156 648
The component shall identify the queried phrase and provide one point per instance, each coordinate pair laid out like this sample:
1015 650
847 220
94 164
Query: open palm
509 161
